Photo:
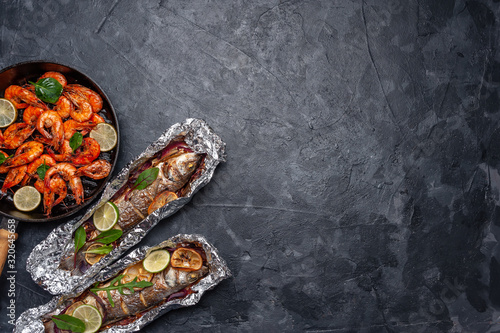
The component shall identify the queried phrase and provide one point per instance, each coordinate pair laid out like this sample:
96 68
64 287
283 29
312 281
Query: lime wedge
90 316
27 198
105 134
8 112
156 261
106 216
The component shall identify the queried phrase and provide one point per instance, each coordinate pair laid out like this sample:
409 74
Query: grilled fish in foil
185 157
130 311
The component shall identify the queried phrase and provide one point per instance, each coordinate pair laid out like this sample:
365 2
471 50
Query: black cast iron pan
20 74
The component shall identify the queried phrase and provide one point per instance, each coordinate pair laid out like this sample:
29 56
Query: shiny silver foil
43 262
30 321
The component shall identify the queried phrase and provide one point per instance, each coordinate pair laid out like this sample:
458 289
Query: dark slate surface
361 188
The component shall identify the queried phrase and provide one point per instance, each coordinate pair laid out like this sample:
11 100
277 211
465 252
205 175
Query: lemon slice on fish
187 259
156 261
105 134
27 198
106 216
93 258
8 112
90 316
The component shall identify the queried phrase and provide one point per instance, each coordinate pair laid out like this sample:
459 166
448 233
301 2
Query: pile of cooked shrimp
43 136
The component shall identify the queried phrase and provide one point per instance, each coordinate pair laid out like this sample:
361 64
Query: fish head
172 277
194 276
182 166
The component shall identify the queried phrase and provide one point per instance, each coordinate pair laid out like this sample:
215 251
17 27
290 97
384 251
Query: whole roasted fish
192 267
122 307
176 165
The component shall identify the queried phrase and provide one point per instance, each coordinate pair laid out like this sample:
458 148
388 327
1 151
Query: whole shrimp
57 187
71 126
96 170
17 95
33 166
25 154
65 152
14 177
68 173
86 153
57 76
31 114
83 109
94 98
64 107
15 135
52 120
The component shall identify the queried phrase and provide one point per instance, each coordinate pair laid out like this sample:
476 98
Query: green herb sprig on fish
69 323
120 287
146 178
76 141
105 249
80 238
108 237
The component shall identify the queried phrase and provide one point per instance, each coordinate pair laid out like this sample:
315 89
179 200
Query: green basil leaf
41 170
105 249
3 158
80 238
48 89
70 323
108 237
76 141
146 178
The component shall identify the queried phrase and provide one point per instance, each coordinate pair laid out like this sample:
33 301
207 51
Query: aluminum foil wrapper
30 321
43 262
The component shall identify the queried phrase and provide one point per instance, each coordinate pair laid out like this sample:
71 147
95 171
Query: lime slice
8 112
156 261
106 216
27 198
105 134
90 316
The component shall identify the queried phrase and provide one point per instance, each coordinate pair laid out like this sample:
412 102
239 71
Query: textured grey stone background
361 188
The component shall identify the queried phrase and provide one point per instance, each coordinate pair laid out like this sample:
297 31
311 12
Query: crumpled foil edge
30 321
43 262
